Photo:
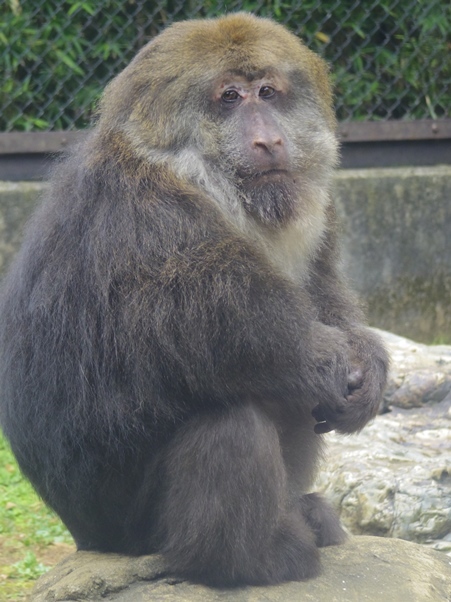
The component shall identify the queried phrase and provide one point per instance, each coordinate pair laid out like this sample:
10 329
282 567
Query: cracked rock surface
394 478
365 569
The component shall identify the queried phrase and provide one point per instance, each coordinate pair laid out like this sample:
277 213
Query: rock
419 373
365 569
394 478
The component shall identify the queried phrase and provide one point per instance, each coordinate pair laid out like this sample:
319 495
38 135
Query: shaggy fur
175 339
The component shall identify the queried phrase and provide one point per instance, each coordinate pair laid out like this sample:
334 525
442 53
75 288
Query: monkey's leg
322 519
302 450
224 515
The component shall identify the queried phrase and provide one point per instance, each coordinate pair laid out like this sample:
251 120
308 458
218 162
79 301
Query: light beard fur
290 245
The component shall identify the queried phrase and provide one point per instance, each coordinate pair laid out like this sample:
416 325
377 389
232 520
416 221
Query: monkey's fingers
355 379
323 426
318 414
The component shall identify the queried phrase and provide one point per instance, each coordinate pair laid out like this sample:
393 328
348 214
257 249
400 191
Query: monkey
176 333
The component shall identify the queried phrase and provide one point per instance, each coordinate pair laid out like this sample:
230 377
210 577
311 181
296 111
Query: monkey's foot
322 519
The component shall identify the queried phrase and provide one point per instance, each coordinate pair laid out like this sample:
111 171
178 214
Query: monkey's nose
269 144
269 152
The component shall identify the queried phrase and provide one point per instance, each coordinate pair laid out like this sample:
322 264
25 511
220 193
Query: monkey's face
248 109
272 138
237 103
253 143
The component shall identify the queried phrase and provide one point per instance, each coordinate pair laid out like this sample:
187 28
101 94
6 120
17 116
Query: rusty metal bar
12 143
377 131
368 131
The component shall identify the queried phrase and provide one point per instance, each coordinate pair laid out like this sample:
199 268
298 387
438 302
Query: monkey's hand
366 380
330 375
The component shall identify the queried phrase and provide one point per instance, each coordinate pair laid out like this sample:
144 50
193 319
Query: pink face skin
254 106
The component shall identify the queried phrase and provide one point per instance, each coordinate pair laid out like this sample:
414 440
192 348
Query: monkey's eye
266 92
230 96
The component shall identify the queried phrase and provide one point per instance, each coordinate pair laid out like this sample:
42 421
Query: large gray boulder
365 569
420 374
394 478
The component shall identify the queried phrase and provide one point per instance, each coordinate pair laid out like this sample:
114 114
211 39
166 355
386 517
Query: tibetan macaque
175 332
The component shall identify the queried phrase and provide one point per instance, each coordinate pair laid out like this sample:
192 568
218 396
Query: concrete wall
397 247
396 241
17 200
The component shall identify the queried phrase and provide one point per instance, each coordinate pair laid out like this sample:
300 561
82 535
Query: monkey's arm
201 313
227 326
151 290
368 359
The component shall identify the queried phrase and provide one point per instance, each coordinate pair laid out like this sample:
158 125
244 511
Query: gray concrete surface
397 247
396 226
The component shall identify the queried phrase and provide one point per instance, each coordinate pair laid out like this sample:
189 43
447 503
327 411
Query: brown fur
175 334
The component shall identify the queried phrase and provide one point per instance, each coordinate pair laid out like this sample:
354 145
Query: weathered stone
365 569
394 478
419 373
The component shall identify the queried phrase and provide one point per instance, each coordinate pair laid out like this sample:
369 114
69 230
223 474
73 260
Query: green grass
32 538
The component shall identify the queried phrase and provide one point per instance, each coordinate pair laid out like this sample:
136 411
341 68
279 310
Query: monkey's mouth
268 174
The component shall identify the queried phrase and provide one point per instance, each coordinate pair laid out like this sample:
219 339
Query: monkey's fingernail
322 427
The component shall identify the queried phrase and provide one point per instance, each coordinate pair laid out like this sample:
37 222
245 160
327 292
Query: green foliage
28 568
389 59
29 531
21 511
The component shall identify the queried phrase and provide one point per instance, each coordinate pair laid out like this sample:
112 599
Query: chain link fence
390 59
